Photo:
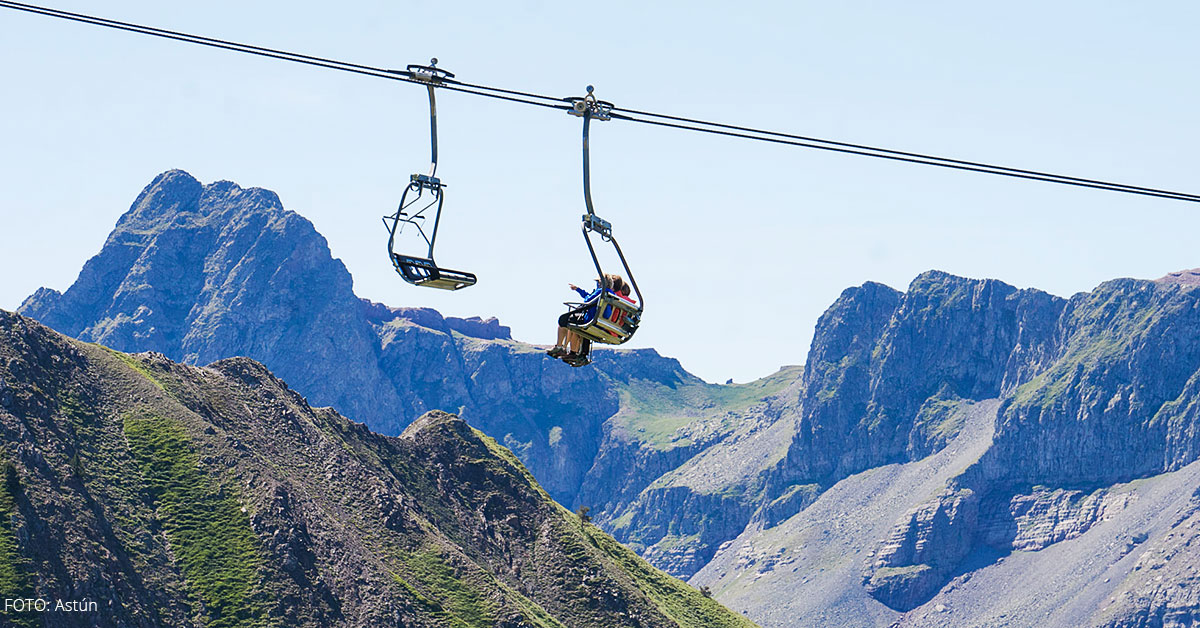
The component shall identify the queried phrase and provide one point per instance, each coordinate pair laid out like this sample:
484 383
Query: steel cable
618 113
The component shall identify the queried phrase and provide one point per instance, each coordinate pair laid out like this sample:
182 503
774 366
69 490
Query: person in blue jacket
570 346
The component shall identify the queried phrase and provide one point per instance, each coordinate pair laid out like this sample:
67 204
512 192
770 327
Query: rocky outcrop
923 550
1035 521
681 542
1181 278
928 544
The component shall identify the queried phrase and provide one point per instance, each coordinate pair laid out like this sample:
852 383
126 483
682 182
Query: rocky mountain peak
1181 278
203 272
177 198
170 194
444 424
177 254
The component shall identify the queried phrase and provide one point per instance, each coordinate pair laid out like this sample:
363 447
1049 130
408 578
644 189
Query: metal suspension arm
432 132
433 77
587 108
587 170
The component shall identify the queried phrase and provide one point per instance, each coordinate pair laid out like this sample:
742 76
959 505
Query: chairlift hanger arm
432 76
589 107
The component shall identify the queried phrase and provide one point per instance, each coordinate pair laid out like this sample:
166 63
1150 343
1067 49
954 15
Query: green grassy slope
652 412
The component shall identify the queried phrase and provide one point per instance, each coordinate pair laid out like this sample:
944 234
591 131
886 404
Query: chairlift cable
202 40
629 115
983 168
876 149
283 55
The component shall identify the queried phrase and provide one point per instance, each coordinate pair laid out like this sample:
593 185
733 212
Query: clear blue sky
739 246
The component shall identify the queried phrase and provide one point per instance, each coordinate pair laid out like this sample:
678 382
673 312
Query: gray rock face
882 362
1122 398
929 543
200 273
1032 522
1115 403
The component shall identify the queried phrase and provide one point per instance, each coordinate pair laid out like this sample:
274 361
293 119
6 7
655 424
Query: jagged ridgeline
178 495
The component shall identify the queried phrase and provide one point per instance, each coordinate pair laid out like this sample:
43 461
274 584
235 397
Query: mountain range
937 445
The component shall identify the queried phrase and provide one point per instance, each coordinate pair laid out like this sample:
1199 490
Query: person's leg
558 349
579 343
582 354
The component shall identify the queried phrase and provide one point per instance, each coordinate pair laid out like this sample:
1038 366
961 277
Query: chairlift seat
421 271
615 321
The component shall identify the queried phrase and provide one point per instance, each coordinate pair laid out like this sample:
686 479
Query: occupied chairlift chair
615 318
424 191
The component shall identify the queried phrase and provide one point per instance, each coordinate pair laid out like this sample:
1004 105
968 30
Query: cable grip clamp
429 73
600 109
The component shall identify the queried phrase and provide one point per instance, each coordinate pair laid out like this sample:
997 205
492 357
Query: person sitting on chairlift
583 355
570 346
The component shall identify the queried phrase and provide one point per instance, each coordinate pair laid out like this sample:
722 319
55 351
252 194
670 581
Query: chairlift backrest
614 321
